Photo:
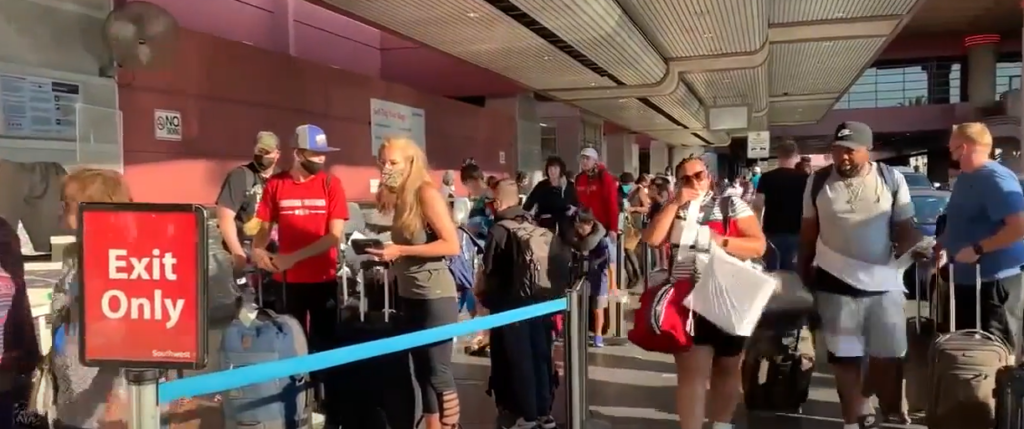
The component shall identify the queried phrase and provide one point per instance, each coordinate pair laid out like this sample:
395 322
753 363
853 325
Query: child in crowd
590 241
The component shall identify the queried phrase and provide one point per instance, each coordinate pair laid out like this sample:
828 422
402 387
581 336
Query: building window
548 141
593 133
904 85
1007 77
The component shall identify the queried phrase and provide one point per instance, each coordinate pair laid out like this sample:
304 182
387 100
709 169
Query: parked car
915 180
929 204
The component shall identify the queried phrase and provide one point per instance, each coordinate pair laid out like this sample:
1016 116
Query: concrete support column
622 153
529 157
982 56
659 157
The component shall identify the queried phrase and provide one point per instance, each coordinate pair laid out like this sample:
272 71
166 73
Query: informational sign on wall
143 283
758 143
38 108
167 125
501 157
389 119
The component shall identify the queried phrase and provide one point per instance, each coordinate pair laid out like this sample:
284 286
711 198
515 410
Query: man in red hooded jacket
598 190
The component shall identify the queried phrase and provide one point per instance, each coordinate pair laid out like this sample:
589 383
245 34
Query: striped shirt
711 211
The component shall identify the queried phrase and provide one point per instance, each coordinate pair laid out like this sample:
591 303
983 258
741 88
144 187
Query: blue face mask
627 188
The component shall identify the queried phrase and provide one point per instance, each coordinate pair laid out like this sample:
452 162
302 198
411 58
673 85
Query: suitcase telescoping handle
977 297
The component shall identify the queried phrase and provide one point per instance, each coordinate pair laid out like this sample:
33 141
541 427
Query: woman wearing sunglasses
715 356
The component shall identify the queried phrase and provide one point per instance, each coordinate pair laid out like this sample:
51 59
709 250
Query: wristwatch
978 250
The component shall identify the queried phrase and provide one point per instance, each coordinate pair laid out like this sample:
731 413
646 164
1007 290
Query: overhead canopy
662 66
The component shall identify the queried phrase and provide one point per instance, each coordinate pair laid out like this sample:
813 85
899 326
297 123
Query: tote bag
730 293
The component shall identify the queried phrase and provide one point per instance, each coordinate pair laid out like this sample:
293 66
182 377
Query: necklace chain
853 190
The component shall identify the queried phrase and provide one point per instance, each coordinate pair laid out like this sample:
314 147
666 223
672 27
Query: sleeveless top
420 277
684 264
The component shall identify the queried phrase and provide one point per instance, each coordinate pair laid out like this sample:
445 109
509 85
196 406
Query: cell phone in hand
361 245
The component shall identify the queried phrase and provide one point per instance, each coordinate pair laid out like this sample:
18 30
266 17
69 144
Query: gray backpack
537 253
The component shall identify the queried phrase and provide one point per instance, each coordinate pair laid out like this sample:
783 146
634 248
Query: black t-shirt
783 190
241 192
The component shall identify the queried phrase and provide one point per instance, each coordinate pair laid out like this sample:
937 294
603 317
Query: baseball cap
312 138
854 135
590 152
267 142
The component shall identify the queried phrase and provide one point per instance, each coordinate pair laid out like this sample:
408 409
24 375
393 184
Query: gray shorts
598 302
874 325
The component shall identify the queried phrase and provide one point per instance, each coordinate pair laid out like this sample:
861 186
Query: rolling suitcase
962 370
921 333
1010 398
379 392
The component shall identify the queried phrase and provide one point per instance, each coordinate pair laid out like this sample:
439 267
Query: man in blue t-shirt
985 226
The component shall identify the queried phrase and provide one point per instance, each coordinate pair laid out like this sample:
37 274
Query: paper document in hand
730 293
907 260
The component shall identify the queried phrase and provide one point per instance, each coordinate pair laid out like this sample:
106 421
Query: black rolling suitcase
1009 396
380 392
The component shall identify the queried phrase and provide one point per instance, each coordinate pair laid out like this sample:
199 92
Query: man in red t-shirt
308 206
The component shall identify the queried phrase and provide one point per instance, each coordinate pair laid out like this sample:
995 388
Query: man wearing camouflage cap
240 194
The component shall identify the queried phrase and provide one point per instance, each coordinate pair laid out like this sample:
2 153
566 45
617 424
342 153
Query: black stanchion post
576 365
574 342
142 398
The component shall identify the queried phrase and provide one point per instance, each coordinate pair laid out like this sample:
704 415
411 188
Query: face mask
627 188
390 177
311 167
263 162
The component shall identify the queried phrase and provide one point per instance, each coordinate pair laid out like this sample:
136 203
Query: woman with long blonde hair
423 234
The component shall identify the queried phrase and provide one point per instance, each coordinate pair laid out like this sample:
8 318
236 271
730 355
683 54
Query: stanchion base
615 341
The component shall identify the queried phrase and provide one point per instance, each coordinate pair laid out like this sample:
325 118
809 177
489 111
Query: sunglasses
693 178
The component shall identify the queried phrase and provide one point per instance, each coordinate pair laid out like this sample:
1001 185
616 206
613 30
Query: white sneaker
523 424
547 422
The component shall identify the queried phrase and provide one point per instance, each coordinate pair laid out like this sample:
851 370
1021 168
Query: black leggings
432 363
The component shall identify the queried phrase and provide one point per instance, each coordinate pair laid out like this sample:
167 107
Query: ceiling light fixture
708 35
840 15
473 15
593 84
546 57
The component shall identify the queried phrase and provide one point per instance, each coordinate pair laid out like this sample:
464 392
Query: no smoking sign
167 125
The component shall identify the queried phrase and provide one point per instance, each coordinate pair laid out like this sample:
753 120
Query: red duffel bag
661 323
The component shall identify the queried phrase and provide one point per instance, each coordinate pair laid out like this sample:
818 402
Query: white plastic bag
730 293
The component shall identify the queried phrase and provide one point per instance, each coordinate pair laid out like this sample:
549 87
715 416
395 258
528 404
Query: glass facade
933 82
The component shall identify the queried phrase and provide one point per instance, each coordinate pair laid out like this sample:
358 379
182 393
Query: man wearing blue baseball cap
308 206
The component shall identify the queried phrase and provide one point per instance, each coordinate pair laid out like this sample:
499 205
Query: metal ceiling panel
792 11
683 106
677 137
819 67
478 33
698 28
731 87
628 112
782 113
602 31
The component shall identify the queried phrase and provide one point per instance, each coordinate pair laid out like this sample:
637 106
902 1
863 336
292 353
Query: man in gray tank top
853 213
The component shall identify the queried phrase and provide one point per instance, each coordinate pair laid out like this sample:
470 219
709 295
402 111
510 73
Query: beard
848 170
